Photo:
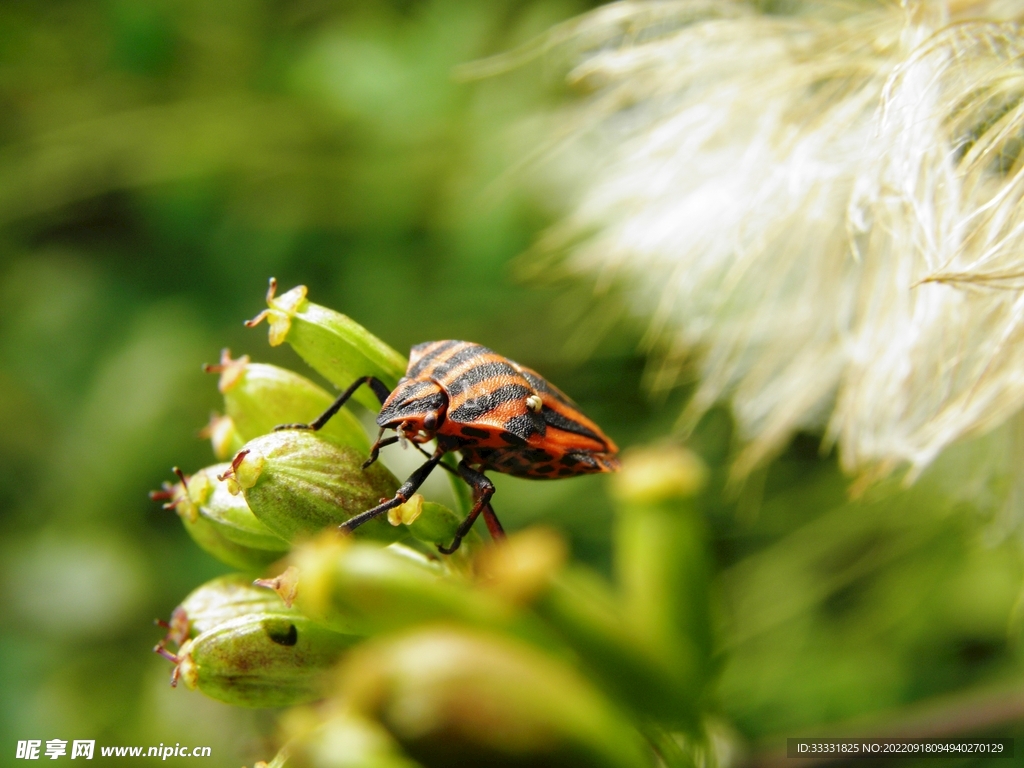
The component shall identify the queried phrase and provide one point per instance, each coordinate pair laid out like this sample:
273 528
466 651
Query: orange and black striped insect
496 413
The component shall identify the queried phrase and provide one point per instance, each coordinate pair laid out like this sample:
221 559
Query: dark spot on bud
281 631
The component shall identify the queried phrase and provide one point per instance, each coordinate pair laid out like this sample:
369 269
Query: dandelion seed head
820 210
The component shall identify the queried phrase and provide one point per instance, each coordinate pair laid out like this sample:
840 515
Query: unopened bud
223 437
449 692
260 397
230 514
656 473
226 598
523 566
334 345
660 558
359 587
279 311
221 524
298 484
261 660
345 740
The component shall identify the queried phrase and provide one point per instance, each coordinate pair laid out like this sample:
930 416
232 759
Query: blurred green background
159 160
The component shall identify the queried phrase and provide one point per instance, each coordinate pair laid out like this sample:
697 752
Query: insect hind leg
493 524
483 490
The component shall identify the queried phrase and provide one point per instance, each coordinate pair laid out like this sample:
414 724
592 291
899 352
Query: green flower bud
259 397
361 588
223 437
334 345
453 696
213 604
657 473
344 740
298 484
244 558
661 561
229 513
261 660
523 567
221 525
226 598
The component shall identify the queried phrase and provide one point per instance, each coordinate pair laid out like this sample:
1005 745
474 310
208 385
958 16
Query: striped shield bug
498 414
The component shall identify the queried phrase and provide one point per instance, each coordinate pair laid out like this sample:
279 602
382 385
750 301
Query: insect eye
430 421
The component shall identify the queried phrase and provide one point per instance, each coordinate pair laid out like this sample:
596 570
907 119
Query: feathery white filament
825 209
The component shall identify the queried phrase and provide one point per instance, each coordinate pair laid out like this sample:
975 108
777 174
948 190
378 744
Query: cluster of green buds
391 655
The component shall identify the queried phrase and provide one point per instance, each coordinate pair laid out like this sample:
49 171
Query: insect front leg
382 442
402 495
380 389
483 489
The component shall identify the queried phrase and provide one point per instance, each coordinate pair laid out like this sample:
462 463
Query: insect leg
493 525
483 489
379 443
423 450
380 389
407 489
383 443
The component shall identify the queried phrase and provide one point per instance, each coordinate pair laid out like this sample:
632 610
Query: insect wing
567 427
545 388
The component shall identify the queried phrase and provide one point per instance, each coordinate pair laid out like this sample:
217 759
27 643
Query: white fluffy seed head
823 211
